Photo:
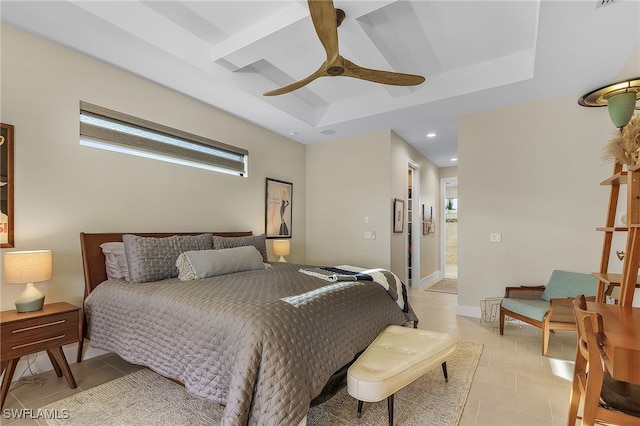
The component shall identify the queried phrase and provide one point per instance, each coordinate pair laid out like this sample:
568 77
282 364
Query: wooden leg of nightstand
58 356
80 349
10 368
56 367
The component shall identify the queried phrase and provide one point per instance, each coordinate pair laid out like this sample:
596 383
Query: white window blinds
107 129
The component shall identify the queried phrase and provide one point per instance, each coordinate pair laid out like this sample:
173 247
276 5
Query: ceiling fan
326 19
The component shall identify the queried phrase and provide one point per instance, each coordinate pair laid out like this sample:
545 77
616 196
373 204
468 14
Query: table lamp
281 248
28 267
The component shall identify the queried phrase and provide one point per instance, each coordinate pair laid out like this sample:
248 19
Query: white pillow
196 264
115 260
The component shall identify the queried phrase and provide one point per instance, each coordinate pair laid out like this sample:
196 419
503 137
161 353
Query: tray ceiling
475 55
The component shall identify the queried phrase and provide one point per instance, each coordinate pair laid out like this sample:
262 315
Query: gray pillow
154 259
211 263
258 241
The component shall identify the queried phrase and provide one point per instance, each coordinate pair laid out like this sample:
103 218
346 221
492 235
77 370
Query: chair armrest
561 309
568 301
524 292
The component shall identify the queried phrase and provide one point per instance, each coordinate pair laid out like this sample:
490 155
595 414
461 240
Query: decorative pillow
154 259
211 263
115 260
258 241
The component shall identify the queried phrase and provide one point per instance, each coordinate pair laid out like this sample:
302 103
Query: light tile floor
514 385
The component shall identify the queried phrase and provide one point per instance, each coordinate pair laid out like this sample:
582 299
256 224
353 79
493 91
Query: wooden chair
605 399
548 307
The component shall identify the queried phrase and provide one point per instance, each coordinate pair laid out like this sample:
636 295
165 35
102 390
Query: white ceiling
475 54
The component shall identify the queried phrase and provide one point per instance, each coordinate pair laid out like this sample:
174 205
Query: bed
263 342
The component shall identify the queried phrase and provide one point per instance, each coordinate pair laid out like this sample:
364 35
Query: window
111 130
452 204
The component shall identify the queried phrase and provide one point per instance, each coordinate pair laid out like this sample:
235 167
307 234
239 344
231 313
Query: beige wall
348 179
532 172
351 178
449 172
62 188
402 155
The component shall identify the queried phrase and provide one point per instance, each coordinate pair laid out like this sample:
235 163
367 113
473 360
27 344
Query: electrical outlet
495 237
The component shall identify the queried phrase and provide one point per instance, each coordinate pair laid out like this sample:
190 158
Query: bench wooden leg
359 408
390 409
444 370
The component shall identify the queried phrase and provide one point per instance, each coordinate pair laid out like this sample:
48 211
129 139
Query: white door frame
443 221
416 230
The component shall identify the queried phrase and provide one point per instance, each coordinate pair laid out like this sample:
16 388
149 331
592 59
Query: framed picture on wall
278 209
428 226
6 186
398 215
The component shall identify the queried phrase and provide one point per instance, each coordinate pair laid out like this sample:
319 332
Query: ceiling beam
259 31
146 24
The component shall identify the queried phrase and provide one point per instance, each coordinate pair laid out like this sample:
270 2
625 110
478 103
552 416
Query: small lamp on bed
281 248
28 267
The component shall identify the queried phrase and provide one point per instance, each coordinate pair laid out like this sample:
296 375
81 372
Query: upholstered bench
397 357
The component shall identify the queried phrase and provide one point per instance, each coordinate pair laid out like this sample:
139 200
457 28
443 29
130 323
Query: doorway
449 225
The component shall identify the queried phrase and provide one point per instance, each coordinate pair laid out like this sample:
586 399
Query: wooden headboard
93 261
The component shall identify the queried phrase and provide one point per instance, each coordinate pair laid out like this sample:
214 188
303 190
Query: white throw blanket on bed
387 279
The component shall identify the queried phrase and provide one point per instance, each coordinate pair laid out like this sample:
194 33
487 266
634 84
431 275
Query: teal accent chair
548 307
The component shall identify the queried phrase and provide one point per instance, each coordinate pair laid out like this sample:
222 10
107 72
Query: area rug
145 398
445 285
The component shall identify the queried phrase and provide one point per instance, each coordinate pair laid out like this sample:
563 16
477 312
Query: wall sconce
281 248
28 267
619 98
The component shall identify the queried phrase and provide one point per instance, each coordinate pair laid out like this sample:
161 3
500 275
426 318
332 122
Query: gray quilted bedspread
263 343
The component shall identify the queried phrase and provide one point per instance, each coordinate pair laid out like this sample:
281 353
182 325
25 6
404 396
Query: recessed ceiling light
328 132
292 132
454 159
431 135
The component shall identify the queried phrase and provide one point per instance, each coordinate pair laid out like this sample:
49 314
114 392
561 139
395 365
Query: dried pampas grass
624 145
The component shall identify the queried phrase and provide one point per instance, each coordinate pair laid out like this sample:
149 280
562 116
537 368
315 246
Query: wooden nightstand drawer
36 334
24 333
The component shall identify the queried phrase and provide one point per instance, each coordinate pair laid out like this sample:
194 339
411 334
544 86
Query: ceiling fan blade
323 15
378 76
321 72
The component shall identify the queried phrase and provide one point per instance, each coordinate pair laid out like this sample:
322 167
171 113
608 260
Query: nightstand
26 333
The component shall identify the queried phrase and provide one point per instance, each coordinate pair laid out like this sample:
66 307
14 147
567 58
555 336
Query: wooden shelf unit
628 279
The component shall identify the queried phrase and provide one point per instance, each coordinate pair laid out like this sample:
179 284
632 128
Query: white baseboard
430 279
468 311
476 312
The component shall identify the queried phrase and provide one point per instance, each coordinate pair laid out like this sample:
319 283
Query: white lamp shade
281 247
22 267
